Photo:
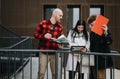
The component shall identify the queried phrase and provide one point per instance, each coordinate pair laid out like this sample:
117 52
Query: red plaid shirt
44 27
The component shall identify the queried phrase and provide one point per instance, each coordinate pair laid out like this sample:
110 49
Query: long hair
75 30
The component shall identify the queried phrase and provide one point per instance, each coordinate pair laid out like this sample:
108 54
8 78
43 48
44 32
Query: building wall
0 11
23 16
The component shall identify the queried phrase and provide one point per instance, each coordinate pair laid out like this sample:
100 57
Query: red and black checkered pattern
45 27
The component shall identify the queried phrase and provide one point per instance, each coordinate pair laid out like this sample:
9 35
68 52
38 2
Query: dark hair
91 19
81 22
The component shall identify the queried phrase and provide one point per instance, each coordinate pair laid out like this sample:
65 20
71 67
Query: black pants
91 73
72 75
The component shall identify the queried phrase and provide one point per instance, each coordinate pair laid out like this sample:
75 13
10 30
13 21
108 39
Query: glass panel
73 14
48 10
96 9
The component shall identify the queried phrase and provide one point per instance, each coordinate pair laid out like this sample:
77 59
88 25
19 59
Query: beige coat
72 59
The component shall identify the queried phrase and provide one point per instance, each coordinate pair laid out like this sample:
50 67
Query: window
96 9
73 14
48 10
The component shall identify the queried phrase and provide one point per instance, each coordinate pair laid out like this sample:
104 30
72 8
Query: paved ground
34 70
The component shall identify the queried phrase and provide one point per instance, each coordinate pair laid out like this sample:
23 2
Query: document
100 20
62 40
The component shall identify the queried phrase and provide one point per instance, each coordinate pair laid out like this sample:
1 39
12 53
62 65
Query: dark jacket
101 44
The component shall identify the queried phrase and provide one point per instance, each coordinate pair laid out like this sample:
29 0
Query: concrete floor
34 70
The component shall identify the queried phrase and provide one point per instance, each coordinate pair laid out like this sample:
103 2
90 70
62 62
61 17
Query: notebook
100 20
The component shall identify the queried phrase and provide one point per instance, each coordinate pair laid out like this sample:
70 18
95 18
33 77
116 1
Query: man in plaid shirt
47 30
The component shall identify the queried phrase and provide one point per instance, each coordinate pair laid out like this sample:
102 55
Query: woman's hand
83 50
105 28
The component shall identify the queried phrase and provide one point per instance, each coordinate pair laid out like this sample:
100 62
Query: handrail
19 42
8 30
21 67
62 51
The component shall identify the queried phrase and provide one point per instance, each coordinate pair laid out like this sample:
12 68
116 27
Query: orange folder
100 20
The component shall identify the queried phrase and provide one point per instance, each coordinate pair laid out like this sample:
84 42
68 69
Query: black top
101 44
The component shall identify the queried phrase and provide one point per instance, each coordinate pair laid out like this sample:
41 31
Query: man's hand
48 36
60 46
54 39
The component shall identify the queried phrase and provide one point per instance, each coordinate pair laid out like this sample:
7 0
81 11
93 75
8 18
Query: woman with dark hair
78 36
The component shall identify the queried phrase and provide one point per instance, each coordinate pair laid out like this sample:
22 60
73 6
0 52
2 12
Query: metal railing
30 72
5 32
8 37
18 60
12 62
